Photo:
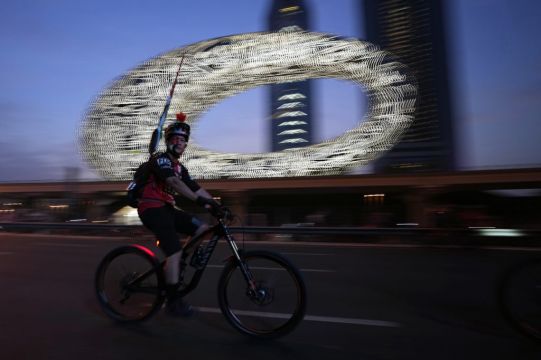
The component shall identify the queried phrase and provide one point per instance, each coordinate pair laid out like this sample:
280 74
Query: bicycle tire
519 296
281 309
121 296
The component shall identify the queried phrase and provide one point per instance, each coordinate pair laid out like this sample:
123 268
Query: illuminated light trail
117 127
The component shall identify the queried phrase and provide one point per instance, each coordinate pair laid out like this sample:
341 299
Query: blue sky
57 55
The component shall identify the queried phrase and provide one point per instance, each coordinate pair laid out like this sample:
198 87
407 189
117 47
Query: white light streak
117 127
500 232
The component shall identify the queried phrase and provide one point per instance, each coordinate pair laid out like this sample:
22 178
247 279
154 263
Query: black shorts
165 222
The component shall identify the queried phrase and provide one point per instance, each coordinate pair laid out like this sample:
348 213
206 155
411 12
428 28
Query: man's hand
205 201
212 206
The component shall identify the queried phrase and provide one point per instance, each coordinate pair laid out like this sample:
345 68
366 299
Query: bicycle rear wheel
520 298
277 306
129 283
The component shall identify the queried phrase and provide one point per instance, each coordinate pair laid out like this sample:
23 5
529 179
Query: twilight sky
57 55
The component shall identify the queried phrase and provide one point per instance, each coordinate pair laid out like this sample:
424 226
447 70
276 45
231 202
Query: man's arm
181 188
201 196
202 192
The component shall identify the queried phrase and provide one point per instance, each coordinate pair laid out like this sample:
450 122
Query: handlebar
223 213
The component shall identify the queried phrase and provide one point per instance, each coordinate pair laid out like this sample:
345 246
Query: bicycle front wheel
520 298
129 283
278 303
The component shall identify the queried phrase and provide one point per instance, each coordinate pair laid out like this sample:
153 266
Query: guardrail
293 230
469 236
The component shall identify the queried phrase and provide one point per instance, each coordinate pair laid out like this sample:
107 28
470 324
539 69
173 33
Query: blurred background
471 160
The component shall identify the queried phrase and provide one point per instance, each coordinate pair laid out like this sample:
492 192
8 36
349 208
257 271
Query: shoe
178 308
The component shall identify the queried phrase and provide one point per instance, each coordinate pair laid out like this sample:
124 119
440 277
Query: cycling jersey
156 192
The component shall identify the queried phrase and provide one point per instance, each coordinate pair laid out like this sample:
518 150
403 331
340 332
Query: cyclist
158 213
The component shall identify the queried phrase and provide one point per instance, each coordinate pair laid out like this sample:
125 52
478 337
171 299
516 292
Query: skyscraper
291 109
414 31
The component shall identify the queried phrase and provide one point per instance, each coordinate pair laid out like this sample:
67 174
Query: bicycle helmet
178 128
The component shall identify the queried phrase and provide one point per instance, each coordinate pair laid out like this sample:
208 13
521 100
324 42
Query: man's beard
171 150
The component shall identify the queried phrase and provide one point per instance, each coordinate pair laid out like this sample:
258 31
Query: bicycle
260 293
519 297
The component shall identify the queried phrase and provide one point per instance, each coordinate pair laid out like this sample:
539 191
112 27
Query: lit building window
291 105
291 28
292 123
292 132
293 141
292 96
291 114
289 9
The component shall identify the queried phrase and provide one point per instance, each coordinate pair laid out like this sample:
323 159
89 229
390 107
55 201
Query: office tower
414 31
291 110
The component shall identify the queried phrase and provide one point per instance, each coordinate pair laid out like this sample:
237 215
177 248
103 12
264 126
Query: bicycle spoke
127 286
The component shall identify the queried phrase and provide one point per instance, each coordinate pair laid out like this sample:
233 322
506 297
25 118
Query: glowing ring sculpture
117 127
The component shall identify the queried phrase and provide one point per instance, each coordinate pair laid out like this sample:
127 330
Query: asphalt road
365 302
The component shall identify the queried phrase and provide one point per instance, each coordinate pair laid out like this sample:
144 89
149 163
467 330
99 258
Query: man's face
178 142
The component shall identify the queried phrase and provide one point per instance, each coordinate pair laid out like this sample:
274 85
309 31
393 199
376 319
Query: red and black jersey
156 193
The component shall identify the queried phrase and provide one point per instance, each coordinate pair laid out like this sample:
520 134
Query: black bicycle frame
219 230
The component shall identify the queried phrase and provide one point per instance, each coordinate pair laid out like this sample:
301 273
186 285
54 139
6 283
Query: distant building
291 109
414 31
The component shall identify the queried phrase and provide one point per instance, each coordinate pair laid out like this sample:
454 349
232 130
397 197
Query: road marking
63 245
306 254
328 319
351 321
277 269
317 270
512 248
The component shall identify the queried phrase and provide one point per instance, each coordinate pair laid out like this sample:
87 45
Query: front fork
252 286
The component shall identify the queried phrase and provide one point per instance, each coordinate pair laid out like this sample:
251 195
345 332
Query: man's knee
175 255
202 228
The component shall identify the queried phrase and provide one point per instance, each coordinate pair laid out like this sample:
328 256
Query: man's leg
186 224
172 263
171 268
193 241
175 305
161 221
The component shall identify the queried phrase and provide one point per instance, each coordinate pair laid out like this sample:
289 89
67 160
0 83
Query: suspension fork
237 254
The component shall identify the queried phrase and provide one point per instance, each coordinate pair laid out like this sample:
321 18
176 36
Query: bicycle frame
219 231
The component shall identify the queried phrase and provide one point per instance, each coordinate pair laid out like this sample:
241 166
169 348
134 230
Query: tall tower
291 109
414 31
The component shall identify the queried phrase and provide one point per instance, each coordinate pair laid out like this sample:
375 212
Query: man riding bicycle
158 213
